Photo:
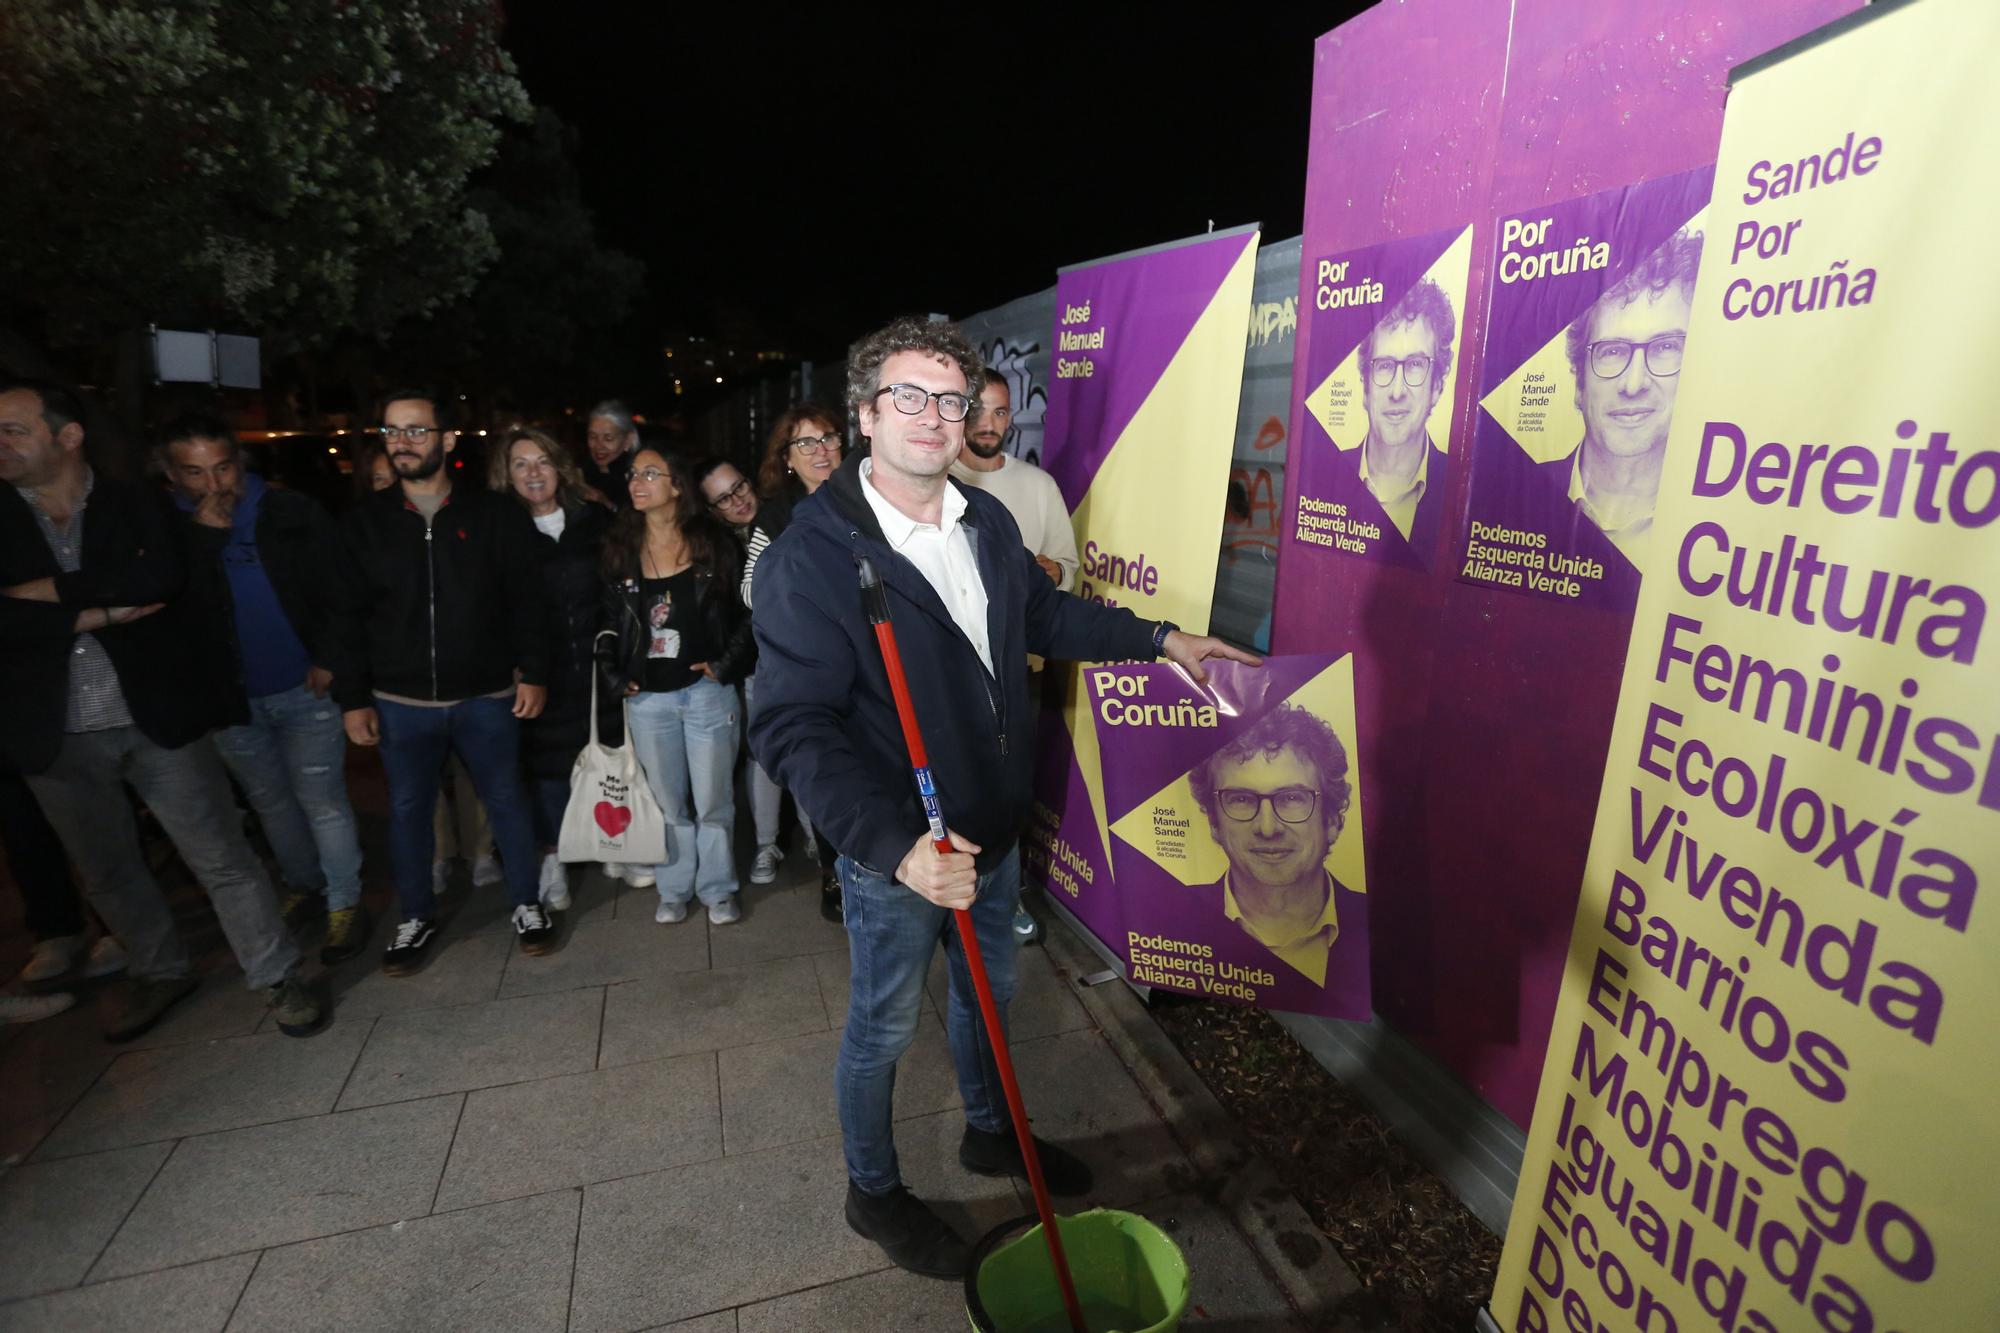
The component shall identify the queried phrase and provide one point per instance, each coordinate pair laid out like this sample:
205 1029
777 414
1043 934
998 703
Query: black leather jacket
725 621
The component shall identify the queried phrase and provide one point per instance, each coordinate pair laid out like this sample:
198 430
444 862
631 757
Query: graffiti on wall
1256 494
1016 363
1273 321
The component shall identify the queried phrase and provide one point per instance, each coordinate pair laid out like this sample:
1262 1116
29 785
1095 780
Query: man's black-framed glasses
814 444
414 434
1293 805
1609 358
1416 370
910 400
740 491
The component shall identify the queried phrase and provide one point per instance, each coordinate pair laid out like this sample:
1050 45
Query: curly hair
1287 726
569 477
938 338
1673 264
1424 304
771 472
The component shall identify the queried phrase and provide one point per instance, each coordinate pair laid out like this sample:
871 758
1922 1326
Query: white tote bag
612 815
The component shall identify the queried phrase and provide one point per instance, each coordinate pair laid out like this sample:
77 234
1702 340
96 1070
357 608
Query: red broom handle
899 687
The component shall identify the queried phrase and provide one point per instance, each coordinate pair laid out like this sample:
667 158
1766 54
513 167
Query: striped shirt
96 703
759 539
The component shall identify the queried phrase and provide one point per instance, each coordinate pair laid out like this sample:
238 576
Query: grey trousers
82 793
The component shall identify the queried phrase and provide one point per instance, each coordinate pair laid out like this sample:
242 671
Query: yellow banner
1771 1097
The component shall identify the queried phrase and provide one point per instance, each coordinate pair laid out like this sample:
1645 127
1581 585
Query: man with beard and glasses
441 641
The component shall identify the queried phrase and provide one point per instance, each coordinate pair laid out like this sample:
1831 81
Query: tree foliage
297 169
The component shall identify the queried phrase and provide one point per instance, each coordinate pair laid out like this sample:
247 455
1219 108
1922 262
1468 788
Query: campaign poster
1770 1094
1586 333
1235 810
1145 368
1388 331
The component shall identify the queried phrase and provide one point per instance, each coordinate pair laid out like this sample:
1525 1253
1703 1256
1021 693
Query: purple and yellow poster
1388 327
1145 371
1769 1098
1235 810
1585 335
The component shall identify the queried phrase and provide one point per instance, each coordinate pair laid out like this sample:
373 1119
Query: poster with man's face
1387 334
1242 877
1585 337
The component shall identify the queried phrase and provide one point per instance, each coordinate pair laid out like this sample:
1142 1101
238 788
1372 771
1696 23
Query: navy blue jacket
826 725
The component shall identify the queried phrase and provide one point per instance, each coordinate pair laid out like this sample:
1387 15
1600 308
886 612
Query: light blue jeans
686 741
892 933
291 761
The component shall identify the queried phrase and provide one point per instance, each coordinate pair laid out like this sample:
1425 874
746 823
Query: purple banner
1584 337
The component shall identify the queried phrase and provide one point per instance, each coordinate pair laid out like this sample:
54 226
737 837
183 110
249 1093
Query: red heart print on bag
613 819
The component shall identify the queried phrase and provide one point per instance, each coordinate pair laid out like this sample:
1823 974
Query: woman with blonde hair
541 474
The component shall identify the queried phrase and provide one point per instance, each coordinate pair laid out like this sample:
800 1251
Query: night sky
791 181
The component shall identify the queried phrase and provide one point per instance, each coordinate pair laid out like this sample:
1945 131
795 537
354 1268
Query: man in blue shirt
269 556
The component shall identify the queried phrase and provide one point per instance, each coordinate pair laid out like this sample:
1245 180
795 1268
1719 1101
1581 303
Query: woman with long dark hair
541 474
672 576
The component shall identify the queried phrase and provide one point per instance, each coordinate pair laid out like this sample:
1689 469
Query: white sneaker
106 957
669 913
612 870
639 877
50 959
725 912
555 883
33 1008
486 869
765 868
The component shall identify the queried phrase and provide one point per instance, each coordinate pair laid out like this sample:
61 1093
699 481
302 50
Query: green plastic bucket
1130 1276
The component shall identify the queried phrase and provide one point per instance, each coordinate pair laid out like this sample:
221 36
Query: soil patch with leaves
1424 1261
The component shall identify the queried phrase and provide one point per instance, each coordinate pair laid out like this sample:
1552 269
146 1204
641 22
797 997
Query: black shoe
406 953
133 1008
298 1009
533 929
346 934
829 899
986 1154
914 1237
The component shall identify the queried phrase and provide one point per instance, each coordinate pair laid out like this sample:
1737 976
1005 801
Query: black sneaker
914 1237
406 953
346 934
534 929
986 1154
829 898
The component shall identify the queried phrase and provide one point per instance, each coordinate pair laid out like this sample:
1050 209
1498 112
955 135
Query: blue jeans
487 738
291 761
686 741
891 933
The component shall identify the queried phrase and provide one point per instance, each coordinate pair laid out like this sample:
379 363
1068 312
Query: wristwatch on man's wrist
1160 633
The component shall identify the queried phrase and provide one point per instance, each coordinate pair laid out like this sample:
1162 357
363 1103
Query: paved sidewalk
636 1131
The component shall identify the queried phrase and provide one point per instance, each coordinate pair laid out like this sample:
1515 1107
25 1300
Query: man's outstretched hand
1191 650
948 879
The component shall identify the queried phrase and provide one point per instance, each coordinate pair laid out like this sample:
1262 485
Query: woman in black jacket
545 479
672 575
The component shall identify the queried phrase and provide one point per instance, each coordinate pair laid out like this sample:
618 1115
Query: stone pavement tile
249 1189
891 1299
834 986
431 1051
781 1092
504 1266
722 1321
1042 1002
180 1090
593 896
44 1073
705 1011
195 1299
1230 1290
599 952
1078 1095
221 1007
56 1216
927 1152
461 971
529 1138
658 1248
777 923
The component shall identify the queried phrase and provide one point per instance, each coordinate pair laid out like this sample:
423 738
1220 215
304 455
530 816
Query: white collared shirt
942 553
1305 952
1632 538
1402 506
